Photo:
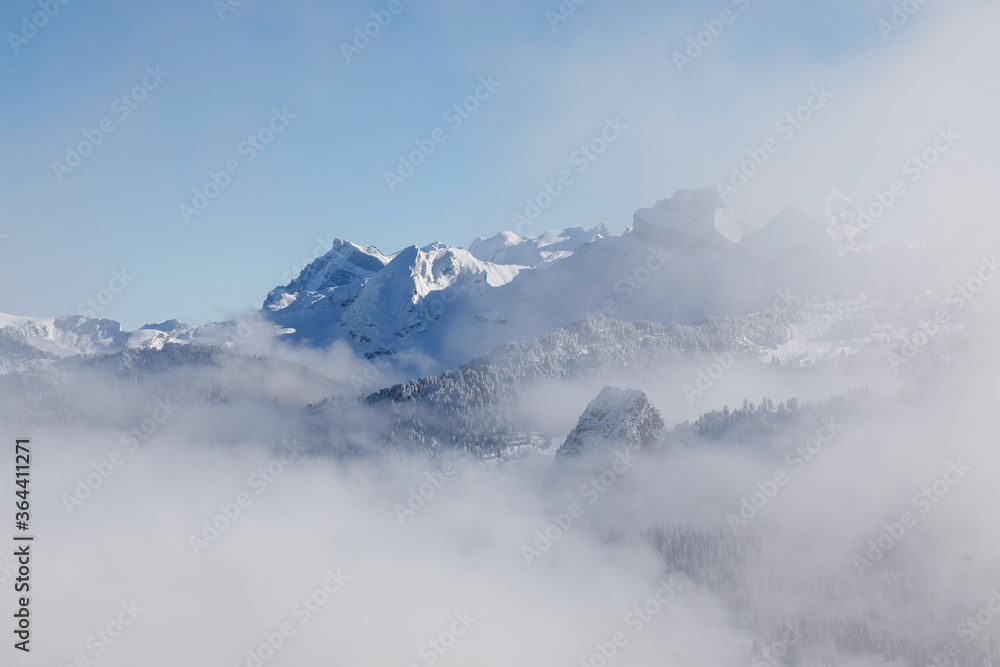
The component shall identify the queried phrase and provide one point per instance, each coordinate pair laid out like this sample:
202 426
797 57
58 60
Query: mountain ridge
686 258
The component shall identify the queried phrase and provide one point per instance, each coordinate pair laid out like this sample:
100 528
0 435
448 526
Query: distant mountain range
682 260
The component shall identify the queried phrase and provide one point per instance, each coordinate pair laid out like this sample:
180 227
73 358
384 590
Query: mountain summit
615 418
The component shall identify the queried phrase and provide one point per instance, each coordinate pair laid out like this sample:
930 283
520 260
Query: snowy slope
534 252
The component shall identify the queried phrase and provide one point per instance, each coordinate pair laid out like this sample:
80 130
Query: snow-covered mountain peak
828 223
534 252
385 305
616 418
335 278
436 267
345 263
495 248
690 219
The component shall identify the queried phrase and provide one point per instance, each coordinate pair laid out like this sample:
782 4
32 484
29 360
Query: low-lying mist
214 531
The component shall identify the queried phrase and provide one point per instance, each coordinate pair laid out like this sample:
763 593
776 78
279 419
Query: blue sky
323 175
